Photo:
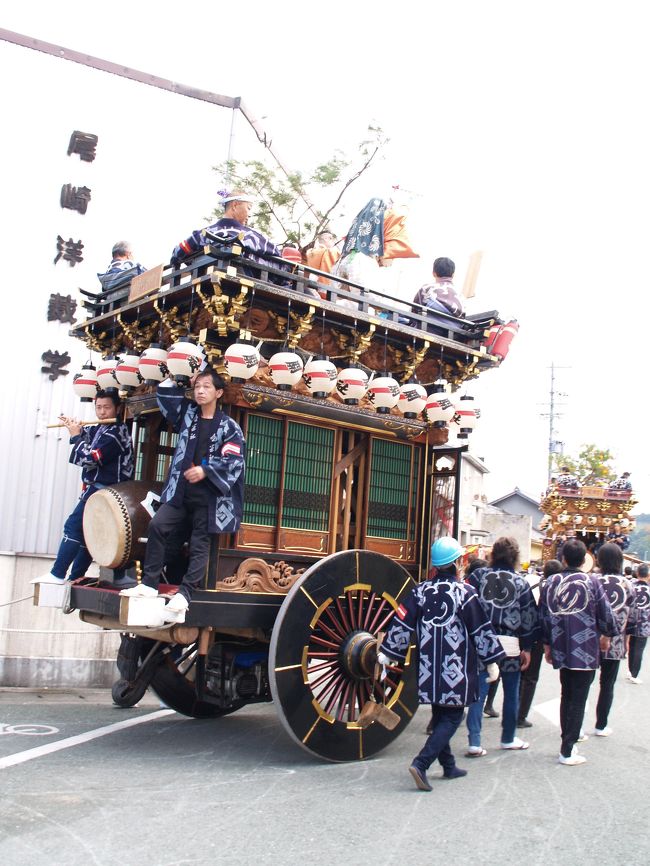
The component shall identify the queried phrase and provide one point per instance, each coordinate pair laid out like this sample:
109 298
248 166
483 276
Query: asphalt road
170 790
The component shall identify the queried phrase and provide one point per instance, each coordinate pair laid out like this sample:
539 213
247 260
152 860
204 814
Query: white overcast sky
521 126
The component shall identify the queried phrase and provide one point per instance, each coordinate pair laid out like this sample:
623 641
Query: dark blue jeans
73 550
510 684
445 724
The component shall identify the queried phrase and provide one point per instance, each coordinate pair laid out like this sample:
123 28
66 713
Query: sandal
515 744
478 753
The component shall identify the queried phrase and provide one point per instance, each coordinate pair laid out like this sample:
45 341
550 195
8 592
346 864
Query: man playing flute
105 453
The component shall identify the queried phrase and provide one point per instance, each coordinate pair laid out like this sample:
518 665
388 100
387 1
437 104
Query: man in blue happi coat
508 603
577 623
204 489
445 619
233 227
105 454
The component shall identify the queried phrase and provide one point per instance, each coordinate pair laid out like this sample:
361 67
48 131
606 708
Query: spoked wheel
323 652
174 681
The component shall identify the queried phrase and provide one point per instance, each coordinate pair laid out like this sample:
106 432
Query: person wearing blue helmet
445 619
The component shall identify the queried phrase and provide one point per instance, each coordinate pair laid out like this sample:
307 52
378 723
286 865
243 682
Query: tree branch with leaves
285 199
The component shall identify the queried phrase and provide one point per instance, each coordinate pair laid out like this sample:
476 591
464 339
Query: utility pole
555 446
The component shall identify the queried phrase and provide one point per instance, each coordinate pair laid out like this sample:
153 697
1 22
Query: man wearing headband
233 226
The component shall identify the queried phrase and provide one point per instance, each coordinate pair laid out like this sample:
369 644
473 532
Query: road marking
40 751
550 710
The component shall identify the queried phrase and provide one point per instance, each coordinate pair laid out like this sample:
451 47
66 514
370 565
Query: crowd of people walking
485 625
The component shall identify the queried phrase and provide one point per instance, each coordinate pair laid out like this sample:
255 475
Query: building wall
498 523
43 647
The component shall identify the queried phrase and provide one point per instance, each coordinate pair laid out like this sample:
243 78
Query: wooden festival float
587 512
355 414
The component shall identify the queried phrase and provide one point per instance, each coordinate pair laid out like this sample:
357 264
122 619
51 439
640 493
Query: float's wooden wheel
323 652
174 683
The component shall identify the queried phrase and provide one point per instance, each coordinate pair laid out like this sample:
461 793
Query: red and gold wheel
323 653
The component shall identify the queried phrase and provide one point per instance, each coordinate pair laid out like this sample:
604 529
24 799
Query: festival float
355 415
587 512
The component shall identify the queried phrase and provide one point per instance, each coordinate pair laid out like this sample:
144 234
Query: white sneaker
583 737
602 732
48 578
140 591
176 608
573 761
628 675
636 680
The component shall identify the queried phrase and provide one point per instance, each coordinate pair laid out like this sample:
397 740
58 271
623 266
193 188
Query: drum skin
114 520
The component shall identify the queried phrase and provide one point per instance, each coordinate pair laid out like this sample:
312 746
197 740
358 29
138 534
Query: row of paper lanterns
578 519
287 369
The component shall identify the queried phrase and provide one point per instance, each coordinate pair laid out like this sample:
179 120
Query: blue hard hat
445 550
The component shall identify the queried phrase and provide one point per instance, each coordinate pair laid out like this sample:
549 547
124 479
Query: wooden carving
256 575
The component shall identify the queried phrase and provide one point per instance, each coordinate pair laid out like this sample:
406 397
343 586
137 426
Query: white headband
242 197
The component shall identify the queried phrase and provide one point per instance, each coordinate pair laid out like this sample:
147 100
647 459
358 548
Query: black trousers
445 722
637 645
575 690
529 678
608 674
193 514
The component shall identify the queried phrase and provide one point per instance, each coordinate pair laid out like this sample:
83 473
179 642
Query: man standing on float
204 488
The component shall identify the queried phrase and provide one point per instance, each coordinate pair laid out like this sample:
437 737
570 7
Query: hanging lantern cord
385 348
322 334
189 315
286 338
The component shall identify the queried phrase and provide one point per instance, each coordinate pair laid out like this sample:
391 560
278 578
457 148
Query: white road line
40 751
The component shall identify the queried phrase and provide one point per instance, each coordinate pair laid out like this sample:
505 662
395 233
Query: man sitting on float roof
233 226
441 294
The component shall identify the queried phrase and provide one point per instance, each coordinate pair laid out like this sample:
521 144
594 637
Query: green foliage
590 466
640 538
285 209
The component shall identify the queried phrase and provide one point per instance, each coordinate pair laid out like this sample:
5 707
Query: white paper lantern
563 518
241 361
439 409
383 393
106 372
319 376
625 523
184 359
468 414
127 371
84 383
153 364
352 384
286 370
577 519
412 399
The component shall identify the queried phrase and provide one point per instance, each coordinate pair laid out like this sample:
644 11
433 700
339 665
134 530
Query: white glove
492 672
383 659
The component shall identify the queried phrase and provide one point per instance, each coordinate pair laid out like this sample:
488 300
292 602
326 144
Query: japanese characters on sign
62 308
54 363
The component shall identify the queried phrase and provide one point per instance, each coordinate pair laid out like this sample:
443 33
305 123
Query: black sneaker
490 712
454 773
524 723
420 778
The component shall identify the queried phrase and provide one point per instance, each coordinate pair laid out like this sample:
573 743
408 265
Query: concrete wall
498 523
43 647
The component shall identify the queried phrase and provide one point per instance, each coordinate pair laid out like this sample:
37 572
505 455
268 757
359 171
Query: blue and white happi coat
574 611
451 631
639 620
224 466
257 247
620 595
508 603
105 454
